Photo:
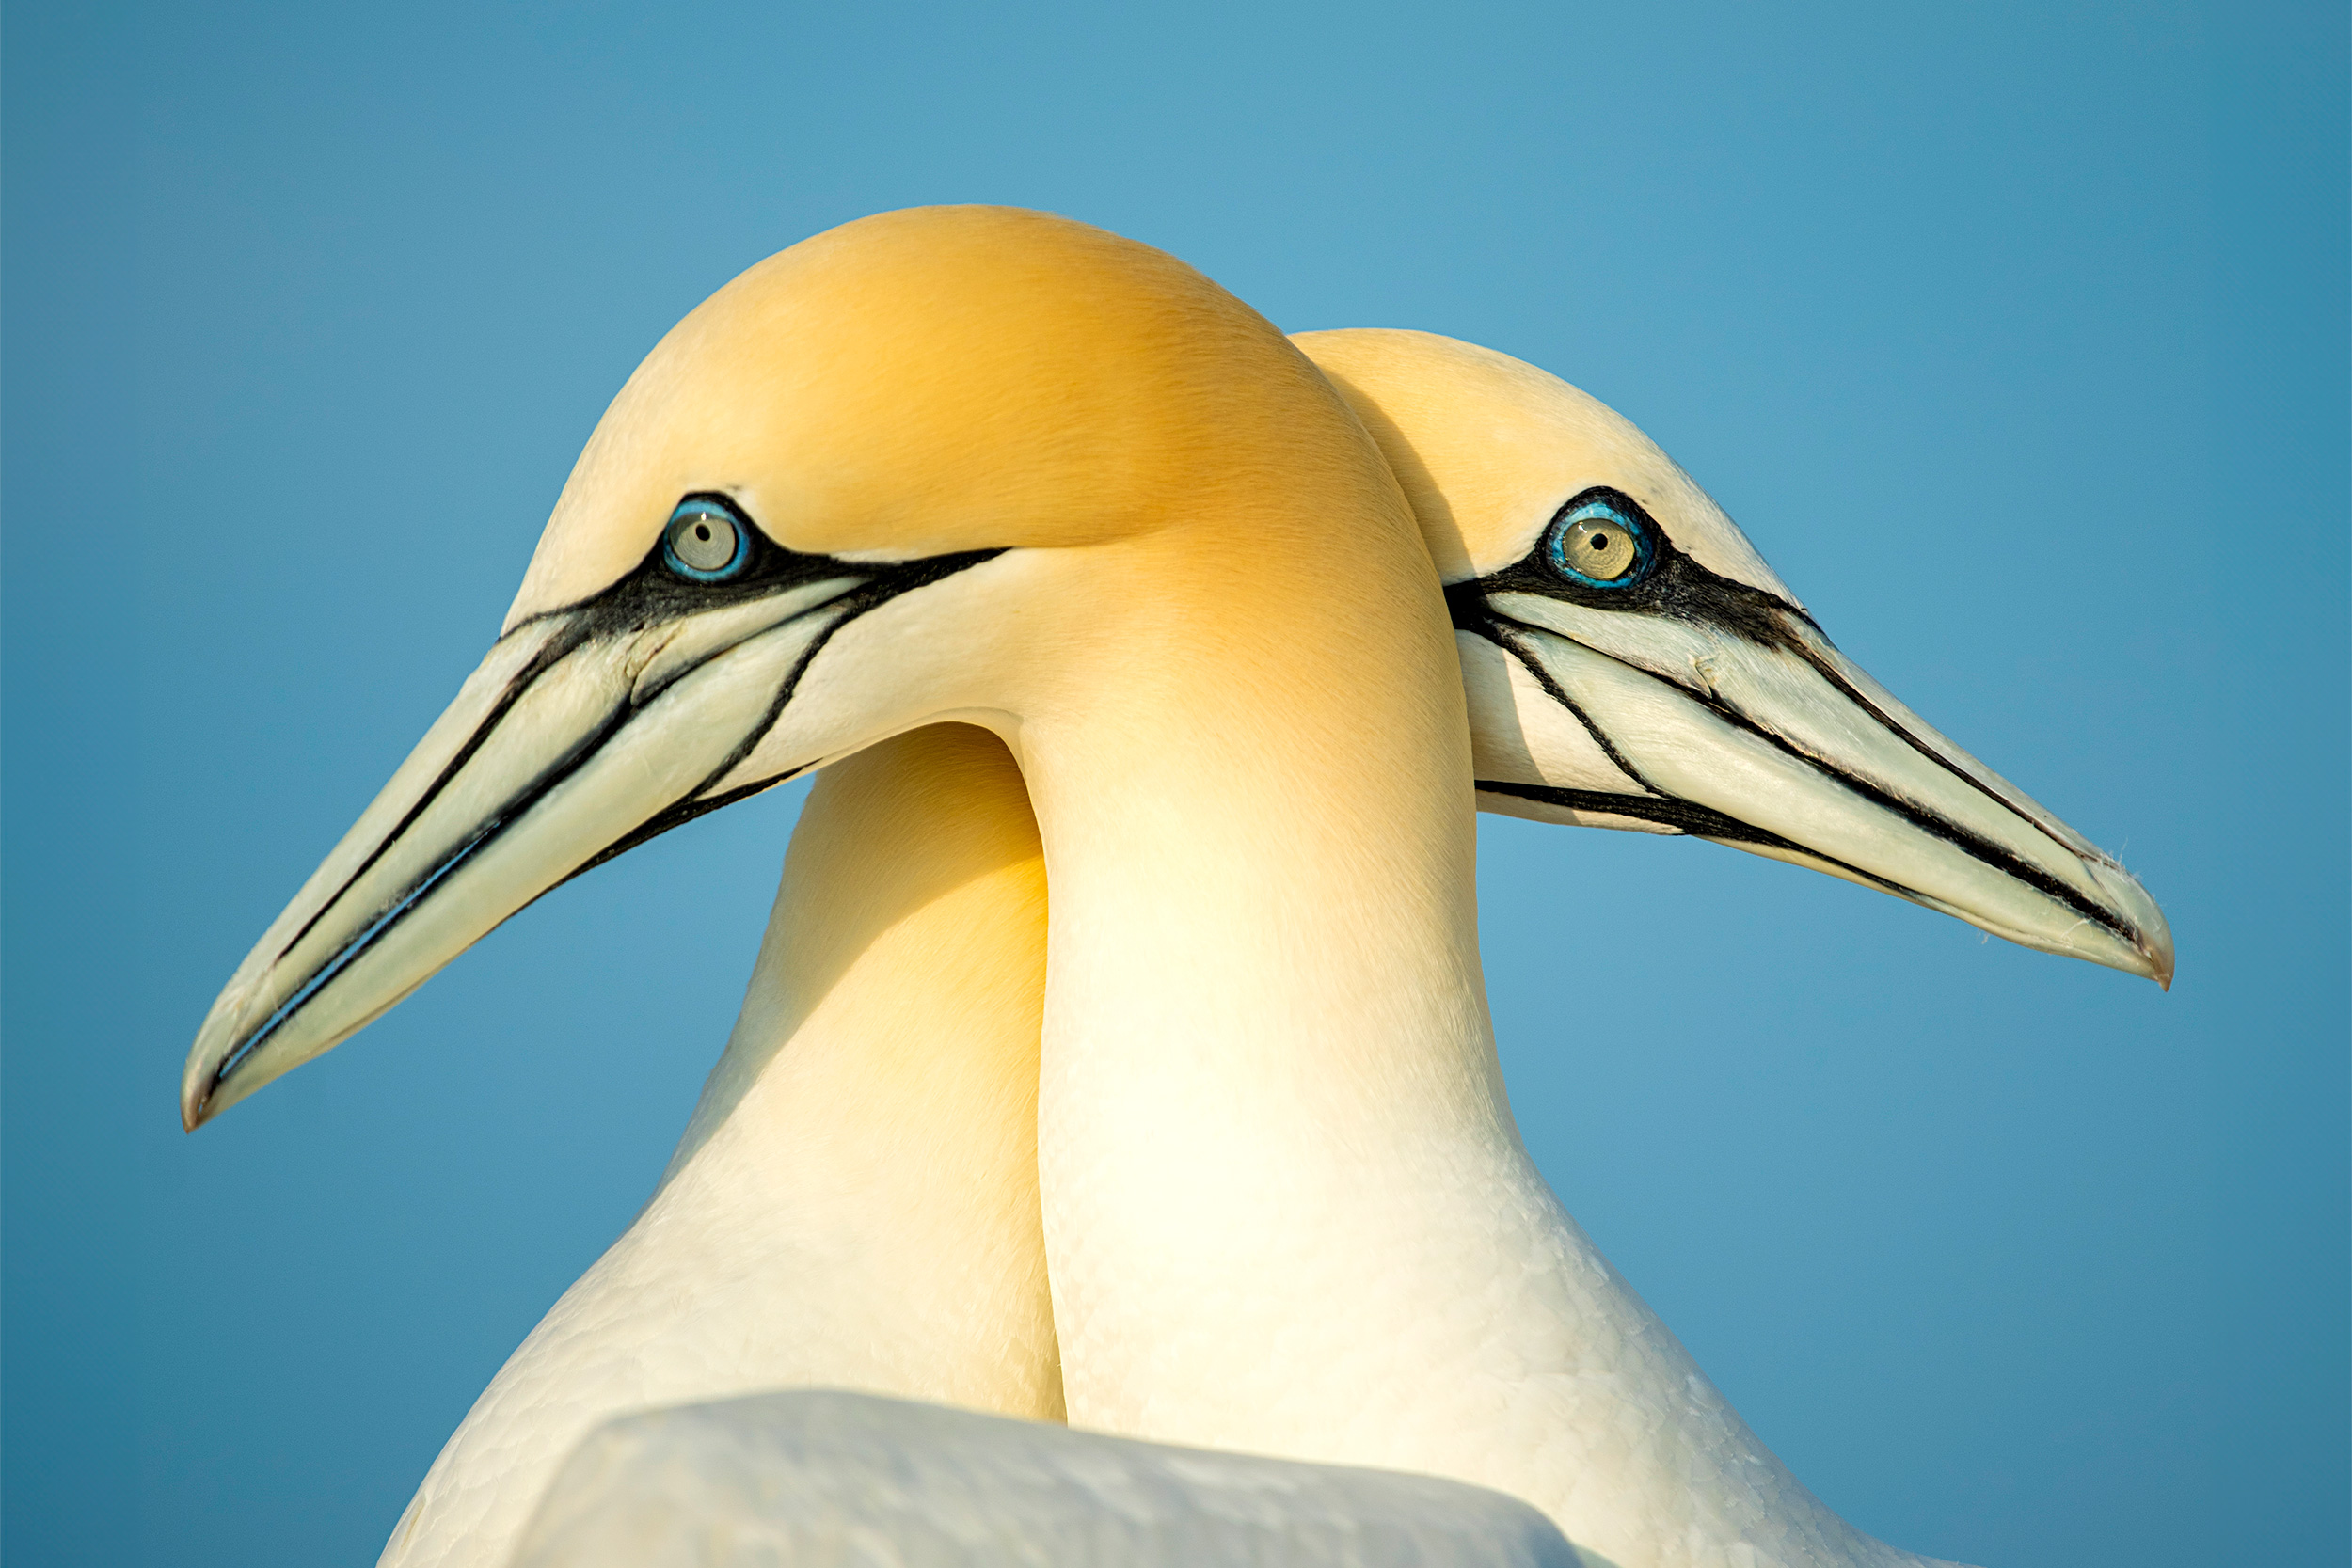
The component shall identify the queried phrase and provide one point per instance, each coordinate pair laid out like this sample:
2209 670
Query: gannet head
886 475
1631 662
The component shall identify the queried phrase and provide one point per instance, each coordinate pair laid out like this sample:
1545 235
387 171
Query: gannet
1630 661
592 724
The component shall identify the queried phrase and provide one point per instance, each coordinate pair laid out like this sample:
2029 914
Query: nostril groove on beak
643 656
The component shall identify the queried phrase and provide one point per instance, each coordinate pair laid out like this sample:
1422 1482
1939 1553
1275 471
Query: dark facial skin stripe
1507 638
676 816
1828 672
1676 587
696 803
558 648
1680 588
400 906
648 594
1665 810
646 597
1472 613
1683 816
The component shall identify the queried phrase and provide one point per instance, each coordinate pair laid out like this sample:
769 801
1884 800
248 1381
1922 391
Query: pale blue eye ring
705 541
1599 544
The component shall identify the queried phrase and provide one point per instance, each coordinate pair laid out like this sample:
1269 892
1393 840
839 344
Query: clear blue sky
2014 334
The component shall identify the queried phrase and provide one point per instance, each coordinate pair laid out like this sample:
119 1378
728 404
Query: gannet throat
854 1203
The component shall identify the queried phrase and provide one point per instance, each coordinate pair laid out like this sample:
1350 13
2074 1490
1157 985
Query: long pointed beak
1770 740
576 738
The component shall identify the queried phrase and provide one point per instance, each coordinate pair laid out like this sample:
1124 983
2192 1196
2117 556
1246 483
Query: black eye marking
711 554
1660 580
1678 587
653 592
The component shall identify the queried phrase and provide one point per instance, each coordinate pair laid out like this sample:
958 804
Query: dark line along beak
583 733
1776 744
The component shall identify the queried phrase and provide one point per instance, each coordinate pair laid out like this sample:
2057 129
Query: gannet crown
936 380
1493 446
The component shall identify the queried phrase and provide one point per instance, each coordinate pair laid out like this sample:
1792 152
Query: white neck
854 1204
1286 1207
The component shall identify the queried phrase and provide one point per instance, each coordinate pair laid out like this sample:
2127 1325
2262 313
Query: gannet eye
705 541
1596 541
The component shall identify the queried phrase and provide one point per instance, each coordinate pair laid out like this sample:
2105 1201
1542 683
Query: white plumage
1003 470
850 1478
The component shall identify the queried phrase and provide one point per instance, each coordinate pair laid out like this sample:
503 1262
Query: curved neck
855 1202
1286 1210
1264 1003
908 918
1289 907
868 1137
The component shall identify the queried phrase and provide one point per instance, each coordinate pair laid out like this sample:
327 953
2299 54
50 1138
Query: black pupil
702 532
1600 541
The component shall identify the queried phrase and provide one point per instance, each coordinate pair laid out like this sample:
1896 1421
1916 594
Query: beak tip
199 1091
2150 957
2155 942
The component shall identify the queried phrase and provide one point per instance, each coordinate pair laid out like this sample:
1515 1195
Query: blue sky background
2014 334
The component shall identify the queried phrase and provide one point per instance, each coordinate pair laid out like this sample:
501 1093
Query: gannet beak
584 732
1754 731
